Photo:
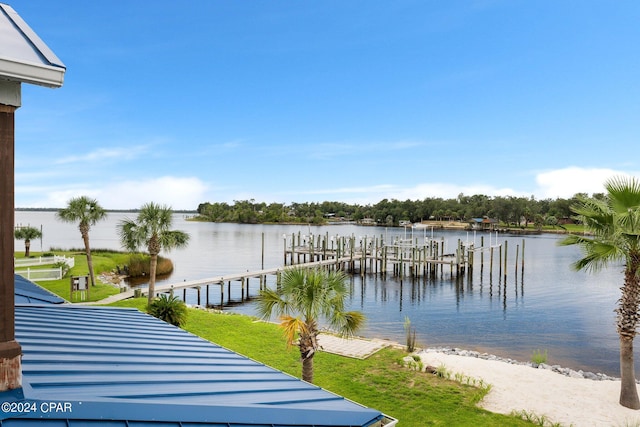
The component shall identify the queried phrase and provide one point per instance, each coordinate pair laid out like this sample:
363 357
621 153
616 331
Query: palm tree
151 230
27 234
614 226
86 212
304 298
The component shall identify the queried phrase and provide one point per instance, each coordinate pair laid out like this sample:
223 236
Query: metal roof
114 367
24 57
27 292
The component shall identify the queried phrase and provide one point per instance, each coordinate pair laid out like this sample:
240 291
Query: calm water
549 306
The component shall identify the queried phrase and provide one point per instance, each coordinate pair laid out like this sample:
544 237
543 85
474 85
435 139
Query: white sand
560 399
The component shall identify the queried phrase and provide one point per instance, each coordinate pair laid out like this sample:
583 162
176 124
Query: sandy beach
560 399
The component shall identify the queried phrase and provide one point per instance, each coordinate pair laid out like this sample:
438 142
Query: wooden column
10 351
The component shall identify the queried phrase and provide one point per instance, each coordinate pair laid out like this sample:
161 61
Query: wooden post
522 267
481 254
505 260
442 254
363 257
221 295
10 350
500 262
491 262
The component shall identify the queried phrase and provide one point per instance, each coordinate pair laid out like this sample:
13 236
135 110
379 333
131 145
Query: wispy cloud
331 150
101 154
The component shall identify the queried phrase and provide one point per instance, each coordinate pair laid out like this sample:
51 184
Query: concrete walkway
358 348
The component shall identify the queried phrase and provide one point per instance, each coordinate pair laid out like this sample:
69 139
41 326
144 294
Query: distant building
483 223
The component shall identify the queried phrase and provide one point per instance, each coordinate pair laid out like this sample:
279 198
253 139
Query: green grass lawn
102 261
380 382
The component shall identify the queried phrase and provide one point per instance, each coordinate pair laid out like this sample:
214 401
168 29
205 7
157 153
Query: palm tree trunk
152 277
308 345
307 368
87 249
627 324
27 248
628 388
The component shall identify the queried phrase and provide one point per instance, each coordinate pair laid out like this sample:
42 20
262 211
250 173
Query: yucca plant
410 333
169 308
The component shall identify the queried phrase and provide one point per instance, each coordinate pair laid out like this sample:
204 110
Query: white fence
44 260
42 274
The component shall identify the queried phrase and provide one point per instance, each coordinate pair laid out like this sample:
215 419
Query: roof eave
43 75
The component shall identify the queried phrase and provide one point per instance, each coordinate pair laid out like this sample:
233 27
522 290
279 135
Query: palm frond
613 224
347 323
270 303
292 327
623 193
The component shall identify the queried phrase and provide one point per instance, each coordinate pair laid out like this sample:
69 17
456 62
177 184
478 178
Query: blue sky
355 101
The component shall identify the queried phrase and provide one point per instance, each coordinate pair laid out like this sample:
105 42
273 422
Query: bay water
543 306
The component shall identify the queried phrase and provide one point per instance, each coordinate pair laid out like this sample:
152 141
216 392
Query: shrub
443 372
539 357
139 265
169 308
64 266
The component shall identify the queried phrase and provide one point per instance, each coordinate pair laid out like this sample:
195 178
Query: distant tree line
509 210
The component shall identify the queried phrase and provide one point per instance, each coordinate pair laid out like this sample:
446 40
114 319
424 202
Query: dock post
481 254
500 262
522 267
491 262
505 261
442 254
324 249
515 265
221 295
363 258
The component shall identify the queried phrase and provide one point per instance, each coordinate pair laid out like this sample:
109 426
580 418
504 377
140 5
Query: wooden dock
413 256
363 255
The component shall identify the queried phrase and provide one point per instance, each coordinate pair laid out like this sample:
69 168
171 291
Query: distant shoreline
440 225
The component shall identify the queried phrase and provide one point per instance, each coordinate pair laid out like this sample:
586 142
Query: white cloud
566 182
177 192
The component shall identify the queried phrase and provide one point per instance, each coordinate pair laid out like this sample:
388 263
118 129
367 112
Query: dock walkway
218 280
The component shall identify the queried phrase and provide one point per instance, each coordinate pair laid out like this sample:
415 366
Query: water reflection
509 311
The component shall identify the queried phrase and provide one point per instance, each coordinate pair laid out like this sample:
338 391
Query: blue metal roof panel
27 292
117 365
